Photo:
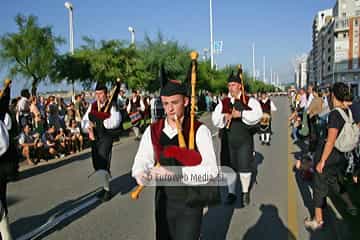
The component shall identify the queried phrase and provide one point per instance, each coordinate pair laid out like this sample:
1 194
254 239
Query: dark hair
342 92
25 93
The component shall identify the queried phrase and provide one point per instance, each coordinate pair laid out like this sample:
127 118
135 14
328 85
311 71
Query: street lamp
70 7
211 37
132 31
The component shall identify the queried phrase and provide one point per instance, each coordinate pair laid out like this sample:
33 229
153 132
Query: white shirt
145 157
110 123
249 117
311 97
273 108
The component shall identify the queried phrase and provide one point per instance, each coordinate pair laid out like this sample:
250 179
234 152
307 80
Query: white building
336 46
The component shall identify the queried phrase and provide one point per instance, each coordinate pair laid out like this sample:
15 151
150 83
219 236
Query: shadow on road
217 220
120 185
51 166
269 226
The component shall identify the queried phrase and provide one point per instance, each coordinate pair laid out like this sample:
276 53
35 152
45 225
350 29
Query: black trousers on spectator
329 179
175 220
313 134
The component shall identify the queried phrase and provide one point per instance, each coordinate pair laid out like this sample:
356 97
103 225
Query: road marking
292 194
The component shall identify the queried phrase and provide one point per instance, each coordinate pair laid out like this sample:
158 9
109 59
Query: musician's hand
91 133
236 114
228 117
355 179
141 178
160 171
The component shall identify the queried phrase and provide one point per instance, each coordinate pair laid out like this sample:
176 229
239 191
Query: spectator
70 115
330 162
62 142
48 139
23 109
53 113
42 107
76 137
78 108
30 145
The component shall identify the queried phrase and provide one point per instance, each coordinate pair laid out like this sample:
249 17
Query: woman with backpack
329 158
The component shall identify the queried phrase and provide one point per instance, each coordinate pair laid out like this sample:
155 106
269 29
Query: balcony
341 24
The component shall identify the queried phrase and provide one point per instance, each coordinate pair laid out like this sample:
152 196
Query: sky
280 29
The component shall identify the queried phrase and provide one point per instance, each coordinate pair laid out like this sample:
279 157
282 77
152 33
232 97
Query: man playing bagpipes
135 107
101 117
236 116
8 158
267 107
163 144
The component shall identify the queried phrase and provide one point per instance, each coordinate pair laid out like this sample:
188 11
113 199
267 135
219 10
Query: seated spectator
48 139
30 145
63 142
76 137
70 115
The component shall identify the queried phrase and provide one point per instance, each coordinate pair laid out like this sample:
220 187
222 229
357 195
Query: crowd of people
328 123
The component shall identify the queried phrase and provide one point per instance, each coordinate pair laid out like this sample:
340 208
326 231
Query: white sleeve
128 108
114 120
142 106
253 116
208 166
85 121
7 121
273 107
217 116
144 158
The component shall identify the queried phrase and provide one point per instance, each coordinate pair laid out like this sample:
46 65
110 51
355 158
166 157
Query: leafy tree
31 51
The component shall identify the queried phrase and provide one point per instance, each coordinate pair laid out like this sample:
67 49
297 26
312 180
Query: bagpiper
236 116
162 146
267 106
8 159
99 120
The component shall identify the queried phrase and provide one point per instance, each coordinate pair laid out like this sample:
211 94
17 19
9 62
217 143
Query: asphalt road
60 193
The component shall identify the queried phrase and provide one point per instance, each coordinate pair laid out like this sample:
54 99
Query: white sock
4 227
231 182
136 131
245 179
104 178
262 137
267 137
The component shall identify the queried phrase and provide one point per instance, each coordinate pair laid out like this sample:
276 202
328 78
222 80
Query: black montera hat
234 78
170 87
100 86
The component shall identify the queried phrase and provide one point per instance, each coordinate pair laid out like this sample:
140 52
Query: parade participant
235 116
8 159
102 117
134 109
267 106
175 219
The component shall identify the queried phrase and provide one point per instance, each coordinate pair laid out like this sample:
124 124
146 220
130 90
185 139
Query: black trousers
175 220
101 153
3 185
241 158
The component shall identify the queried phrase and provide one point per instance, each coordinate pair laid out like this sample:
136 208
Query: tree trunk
33 90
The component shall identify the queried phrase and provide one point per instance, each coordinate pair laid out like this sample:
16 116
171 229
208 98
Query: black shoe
137 138
231 198
268 143
262 143
246 199
106 196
